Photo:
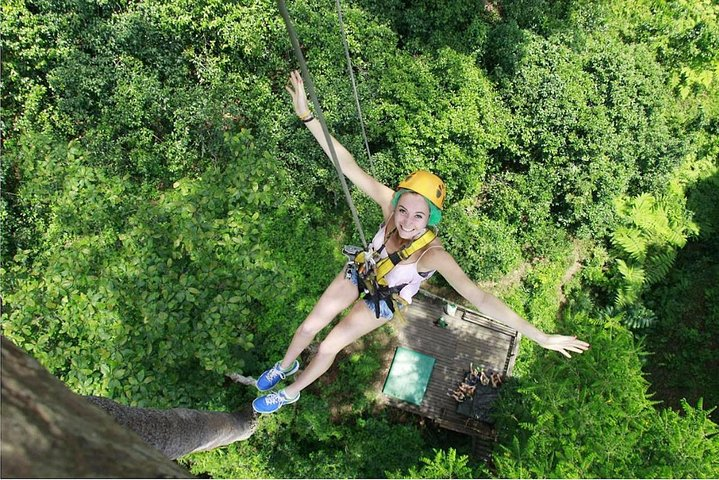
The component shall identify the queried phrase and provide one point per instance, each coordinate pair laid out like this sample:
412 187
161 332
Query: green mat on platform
409 375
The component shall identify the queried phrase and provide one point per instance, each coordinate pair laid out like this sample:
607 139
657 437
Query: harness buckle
351 251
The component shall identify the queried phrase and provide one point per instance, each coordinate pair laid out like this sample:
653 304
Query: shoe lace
273 398
275 372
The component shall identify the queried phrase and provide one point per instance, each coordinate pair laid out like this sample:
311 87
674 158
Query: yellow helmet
427 184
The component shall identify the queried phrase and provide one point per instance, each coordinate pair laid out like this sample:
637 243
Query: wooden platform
468 338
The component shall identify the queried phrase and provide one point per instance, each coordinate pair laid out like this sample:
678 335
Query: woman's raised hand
296 89
564 344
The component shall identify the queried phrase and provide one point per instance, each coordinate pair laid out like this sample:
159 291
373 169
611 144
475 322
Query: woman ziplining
404 252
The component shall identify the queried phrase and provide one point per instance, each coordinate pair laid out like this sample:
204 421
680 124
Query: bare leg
359 322
339 295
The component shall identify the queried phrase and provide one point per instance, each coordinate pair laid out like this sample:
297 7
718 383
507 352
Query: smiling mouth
405 230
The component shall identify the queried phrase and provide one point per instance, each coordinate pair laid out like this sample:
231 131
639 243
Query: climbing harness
385 265
371 271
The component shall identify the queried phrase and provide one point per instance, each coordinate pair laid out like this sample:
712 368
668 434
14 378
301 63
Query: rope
350 70
320 117
236 377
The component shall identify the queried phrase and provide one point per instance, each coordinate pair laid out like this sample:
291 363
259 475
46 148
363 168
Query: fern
633 275
631 241
638 316
645 248
676 239
626 296
641 209
659 264
445 464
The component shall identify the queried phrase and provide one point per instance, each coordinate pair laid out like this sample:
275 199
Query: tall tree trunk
48 431
179 431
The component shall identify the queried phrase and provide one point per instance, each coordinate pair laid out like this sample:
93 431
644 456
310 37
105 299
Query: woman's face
411 215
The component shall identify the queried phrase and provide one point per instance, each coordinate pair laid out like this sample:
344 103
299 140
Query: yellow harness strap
385 265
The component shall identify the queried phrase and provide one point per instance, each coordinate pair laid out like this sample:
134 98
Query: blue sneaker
272 402
274 375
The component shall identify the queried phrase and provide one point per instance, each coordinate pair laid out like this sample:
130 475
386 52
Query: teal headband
435 214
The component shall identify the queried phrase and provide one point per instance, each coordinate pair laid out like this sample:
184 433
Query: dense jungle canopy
167 220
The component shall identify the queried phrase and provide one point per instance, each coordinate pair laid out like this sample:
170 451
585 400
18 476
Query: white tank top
401 273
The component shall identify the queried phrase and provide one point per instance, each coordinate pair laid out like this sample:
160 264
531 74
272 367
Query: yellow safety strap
385 265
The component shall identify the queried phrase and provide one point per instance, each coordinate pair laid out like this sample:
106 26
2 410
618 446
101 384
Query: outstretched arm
438 259
365 182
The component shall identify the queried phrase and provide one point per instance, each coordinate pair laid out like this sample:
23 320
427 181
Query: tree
180 431
43 419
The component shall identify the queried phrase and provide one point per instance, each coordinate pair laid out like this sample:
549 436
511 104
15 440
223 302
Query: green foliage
297 235
149 87
356 373
539 16
538 299
648 240
700 180
682 443
590 121
424 26
685 302
444 464
635 315
542 283
486 248
684 33
439 112
127 292
593 417
310 443
149 247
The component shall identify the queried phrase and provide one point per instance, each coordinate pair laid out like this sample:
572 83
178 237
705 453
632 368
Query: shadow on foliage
685 303
494 31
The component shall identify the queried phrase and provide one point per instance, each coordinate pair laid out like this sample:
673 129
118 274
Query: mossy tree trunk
49 431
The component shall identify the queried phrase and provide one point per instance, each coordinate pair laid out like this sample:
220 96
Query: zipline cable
320 116
350 70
